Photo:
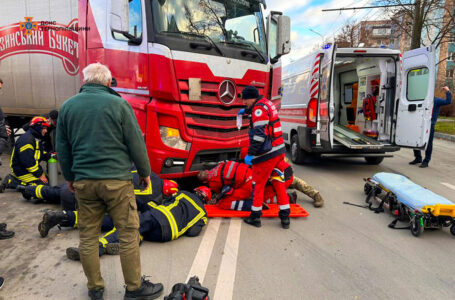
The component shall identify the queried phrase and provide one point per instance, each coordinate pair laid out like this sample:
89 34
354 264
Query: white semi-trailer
39 67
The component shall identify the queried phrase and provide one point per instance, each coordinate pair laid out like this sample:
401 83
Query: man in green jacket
97 140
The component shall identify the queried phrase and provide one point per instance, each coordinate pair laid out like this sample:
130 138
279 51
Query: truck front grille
209 117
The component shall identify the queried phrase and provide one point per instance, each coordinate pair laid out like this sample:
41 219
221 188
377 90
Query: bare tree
346 38
425 21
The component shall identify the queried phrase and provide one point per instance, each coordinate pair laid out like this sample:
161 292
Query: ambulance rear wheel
416 227
374 160
452 229
297 154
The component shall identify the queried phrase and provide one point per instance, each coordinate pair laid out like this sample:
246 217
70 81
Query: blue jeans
429 149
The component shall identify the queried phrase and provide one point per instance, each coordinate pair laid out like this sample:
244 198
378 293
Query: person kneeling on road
26 157
231 181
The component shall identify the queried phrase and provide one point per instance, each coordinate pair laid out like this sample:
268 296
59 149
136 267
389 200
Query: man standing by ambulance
97 139
265 154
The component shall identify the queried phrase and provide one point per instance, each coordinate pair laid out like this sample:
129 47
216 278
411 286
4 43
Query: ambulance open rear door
415 104
326 106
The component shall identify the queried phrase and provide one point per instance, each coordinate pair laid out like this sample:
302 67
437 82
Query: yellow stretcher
409 202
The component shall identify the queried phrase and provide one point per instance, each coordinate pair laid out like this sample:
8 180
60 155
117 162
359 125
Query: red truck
180 64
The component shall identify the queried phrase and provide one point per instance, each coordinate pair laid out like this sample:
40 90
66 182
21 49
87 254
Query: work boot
318 201
73 253
5 234
23 190
3 226
112 248
292 197
254 219
5 183
284 216
96 294
424 165
147 291
50 219
416 161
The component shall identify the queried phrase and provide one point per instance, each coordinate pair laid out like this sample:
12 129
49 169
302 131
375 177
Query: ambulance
359 102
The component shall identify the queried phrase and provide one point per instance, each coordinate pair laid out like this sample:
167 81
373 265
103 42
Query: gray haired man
97 139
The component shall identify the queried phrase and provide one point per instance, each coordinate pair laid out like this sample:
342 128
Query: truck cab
182 66
358 102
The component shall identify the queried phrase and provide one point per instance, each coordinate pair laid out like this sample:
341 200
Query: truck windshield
233 22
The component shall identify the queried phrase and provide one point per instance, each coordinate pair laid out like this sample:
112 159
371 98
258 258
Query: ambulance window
417 87
135 20
348 93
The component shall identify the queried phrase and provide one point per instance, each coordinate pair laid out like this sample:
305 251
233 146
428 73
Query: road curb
444 136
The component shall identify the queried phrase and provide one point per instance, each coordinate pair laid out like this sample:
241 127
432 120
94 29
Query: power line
365 7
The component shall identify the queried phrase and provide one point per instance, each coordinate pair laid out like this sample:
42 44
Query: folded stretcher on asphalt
410 202
408 192
213 211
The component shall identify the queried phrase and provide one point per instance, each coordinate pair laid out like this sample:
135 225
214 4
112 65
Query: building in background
375 34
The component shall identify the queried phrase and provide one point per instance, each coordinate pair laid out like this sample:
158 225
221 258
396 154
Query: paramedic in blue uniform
438 102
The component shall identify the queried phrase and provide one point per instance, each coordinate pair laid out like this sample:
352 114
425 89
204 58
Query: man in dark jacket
97 139
438 102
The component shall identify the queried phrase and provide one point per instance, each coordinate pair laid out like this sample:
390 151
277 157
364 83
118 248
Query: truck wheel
297 154
452 229
416 226
374 160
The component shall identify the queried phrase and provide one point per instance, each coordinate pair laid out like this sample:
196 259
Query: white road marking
448 185
225 284
201 261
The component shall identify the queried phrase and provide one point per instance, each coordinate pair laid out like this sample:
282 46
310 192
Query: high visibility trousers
49 193
261 174
270 196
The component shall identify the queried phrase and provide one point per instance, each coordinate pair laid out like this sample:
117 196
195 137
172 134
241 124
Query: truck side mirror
284 35
119 16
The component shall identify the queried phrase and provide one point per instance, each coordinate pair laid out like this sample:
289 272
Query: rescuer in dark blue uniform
156 192
26 157
181 214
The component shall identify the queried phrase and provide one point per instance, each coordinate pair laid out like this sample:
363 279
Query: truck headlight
171 138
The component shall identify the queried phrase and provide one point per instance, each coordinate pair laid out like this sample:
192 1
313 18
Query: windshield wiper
248 45
202 36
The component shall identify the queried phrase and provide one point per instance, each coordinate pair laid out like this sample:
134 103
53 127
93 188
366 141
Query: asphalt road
338 252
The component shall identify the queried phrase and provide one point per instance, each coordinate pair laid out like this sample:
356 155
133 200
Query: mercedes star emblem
227 92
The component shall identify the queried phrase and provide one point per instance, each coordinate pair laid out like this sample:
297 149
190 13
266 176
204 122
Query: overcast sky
307 14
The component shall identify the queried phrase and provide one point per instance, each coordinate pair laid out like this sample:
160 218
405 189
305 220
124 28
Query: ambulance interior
364 92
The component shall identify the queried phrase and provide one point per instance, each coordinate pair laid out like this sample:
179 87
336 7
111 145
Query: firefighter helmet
39 121
204 192
170 187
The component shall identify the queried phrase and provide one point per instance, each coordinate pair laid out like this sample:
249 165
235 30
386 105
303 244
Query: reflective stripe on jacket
230 173
179 214
265 133
26 157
